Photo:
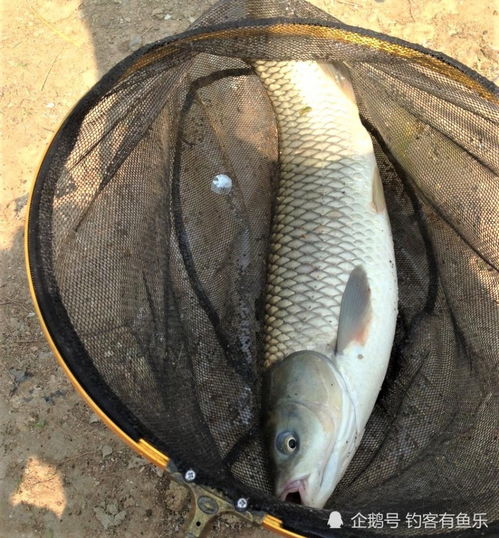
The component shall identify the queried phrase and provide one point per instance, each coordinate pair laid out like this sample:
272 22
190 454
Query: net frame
50 308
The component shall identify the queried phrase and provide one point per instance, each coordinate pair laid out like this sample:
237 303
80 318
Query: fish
331 291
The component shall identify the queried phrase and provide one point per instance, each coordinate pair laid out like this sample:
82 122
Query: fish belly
329 219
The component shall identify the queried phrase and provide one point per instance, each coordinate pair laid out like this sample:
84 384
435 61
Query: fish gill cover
149 265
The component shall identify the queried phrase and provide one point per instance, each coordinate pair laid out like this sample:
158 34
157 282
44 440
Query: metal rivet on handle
190 475
242 503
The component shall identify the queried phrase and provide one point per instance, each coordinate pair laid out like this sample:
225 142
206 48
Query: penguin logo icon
334 521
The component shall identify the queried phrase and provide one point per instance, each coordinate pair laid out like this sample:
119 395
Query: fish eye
287 443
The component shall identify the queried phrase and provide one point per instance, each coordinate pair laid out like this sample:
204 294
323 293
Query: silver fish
331 299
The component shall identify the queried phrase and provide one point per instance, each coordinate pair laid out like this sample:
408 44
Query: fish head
304 407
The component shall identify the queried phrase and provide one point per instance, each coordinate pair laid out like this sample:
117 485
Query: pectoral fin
341 77
378 197
355 311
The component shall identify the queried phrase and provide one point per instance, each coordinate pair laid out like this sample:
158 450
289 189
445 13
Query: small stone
19 375
19 205
136 461
110 517
94 418
50 105
176 496
104 519
119 518
106 451
135 42
167 17
231 519
160 472
129 502
192 19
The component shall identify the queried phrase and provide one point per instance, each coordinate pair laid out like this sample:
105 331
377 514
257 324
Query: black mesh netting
151 284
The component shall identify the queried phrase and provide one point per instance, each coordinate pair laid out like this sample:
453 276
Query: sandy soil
62 473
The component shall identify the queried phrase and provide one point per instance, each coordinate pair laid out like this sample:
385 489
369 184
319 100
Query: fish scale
324 223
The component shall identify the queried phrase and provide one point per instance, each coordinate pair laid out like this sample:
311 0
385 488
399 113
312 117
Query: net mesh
151 283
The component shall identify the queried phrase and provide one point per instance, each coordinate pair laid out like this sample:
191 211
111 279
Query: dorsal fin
355 311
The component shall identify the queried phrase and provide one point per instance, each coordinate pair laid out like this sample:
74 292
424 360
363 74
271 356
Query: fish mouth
294 491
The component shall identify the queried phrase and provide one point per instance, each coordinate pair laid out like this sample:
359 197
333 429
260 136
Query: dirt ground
62 473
